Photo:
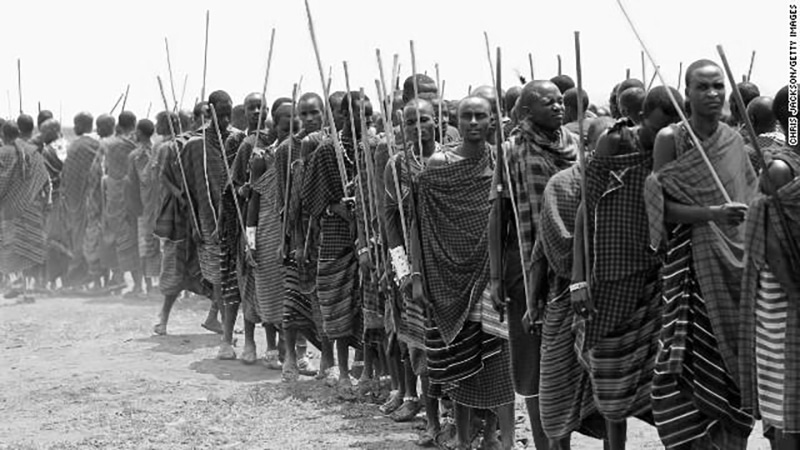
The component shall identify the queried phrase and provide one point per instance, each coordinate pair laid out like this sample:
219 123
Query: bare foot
212 324
226 352
160 329
249 354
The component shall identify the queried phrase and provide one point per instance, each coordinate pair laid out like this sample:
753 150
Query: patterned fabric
269 270
145 181
565 389
180 269
695 398
22 238
772 305
767 252
75 189
119 214
95 202
717 249
454 214
298 306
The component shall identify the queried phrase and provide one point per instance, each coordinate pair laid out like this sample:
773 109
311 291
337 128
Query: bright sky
81 54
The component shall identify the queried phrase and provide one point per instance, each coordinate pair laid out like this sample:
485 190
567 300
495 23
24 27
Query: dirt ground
87 373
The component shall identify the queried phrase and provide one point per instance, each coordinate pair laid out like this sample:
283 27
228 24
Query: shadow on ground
235 370
181 344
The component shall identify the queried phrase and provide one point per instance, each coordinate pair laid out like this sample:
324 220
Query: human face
426 123
252 106
653 123
223 111
310 113
706 91
546 111
474 119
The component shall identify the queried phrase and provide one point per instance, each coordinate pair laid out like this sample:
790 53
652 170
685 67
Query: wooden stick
372 188
264 91
171 78
678 108
205 59
530 63
744 78
752 60
559 64
183 91
652 80
582 161
469 90
334 132
38 107
8 98
178 157
441 100
680 74
416 97
19 83
628 74
228 170
149 106
117 103
644 73
125 99
330 77
288 168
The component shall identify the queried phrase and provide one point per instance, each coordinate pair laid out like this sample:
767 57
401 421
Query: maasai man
769 344
25 125
105 125
239 118
24 193
696 399
264 214
175 226
202 157
144 177
200 115
75 188
326 201
565 391
471 365
95 249
335 100
571 112
749 91
764 124
490 94
620 341
537 149
564 83
631 102
43 116
120 216
300 306
412 315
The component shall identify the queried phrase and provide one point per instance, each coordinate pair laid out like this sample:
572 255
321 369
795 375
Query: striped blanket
269 271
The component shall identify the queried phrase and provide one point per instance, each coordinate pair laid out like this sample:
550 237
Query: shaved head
511 98
760 113
83 123
564 82
51 130
749 91
542 104
425 85
310 97
489 93
25 124
631 102
424 107
105 125
699 64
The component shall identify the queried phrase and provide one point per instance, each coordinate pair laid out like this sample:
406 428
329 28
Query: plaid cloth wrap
24 177
622 262
75 188
269 270
717 250
454 215
766 245
533 157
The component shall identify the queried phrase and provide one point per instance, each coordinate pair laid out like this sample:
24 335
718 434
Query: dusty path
88 373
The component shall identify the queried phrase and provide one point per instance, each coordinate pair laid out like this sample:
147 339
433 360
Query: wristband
362 250
578 286
400 264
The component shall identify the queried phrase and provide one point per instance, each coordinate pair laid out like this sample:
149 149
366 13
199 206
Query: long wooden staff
372 189
195 225
149 107
530 63
628 74
678 108
183 91
416 98
644 73
582 161
334 133
441 100
119 99
559 64
264 91
8 99
125 99
288 168
205 59
652 79
680 74
228 169
171 78
752 60
19 83
365 201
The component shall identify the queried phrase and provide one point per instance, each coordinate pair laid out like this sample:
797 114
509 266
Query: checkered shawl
240 169
717 250
454 216
560 201
27 178
766 240
75 174
532 159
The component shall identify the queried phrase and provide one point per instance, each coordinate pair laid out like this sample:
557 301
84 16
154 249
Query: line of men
663 292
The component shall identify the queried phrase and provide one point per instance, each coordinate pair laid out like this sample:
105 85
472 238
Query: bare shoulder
780 173
664 148
437 159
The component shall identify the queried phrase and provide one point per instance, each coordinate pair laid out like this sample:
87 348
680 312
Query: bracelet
578 286
362 250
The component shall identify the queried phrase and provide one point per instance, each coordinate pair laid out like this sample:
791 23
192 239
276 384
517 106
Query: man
571 112
120 230
105 125
25 125
264 215
620 341
769 342
300 306
200 114
24 194
630 104
510 102
75 187
202 157
470 365
327 202
179 234
537 149
696 400
239 118
335 102
43 116
564 83
144 178
412 316
749 91
764 124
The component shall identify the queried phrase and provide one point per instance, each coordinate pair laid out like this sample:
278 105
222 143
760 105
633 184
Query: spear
372 188
334 133
205 58
19 83
678 108
530 63
752 60
38 107
171 78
